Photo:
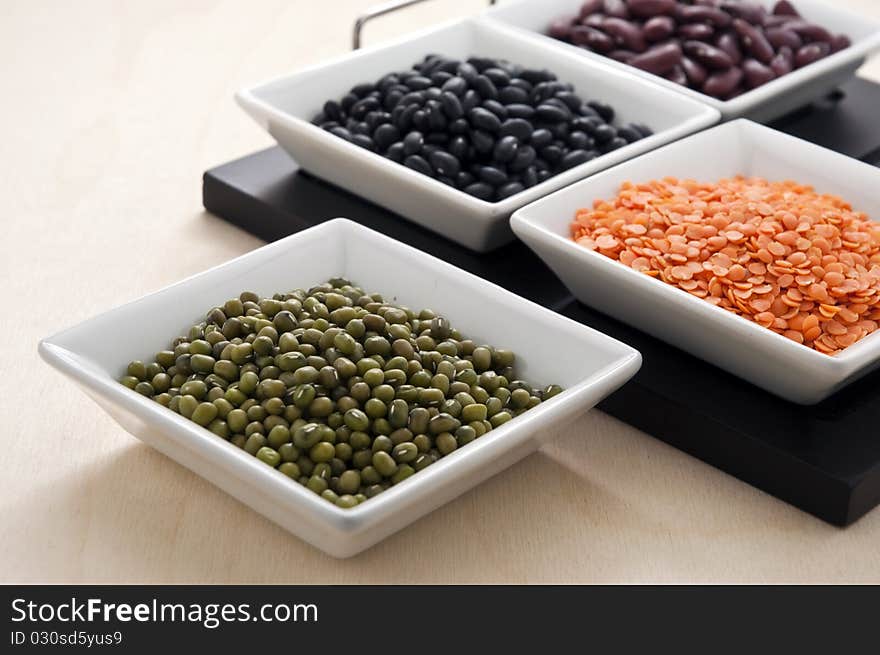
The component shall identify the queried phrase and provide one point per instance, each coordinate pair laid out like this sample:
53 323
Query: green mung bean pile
338 389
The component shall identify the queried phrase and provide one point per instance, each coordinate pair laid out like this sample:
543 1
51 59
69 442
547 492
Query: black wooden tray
823 459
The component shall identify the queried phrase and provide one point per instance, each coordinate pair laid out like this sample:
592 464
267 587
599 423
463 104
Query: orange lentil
803 264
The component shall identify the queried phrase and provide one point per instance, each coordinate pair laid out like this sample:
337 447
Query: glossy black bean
525 156
604 110
413 98
418 163
437 119
604 133
396 152
439 78
536 75
517 127
482 141
392 98
413 143
529 177
435 138
505 149
463 179
470 100
509 189
579 140
451 105
480 190
341 132
458 147
444 163
484 119
420 120
615 144
385 135
541 137
518 110
496 108
362 90
574 158
485 87
498 76
347 101
629 134
458 126
418 82
513 95
467 71
481 63
363 141
550 113
333 110
491 175
361 107
551 153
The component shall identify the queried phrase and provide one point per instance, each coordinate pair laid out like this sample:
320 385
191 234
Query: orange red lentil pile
800 263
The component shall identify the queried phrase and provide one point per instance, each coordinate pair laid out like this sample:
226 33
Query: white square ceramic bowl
286 106
550 349
762 104
768 360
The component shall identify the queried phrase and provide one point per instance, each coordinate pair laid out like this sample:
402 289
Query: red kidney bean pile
722 48
485 126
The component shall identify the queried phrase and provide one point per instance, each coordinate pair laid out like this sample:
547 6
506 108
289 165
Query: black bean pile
722 48
485 126
337 389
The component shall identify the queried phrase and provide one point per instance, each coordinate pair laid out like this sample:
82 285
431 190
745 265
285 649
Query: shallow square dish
285 107
763 104
768 360
550 349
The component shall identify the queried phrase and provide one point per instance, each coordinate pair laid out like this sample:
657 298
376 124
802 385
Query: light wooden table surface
110 113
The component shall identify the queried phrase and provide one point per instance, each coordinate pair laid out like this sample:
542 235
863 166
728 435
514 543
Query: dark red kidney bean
616 8
784 8
621 55
756 73
722 83
625 33
783 62
810 53
754 40
775 21
840 42
709 14
595 20
780 36
677 75
707 55
589 7
809 31
659 59
649 8
560 29
592 38
696 73
658 28
746 10
698 31
729 43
